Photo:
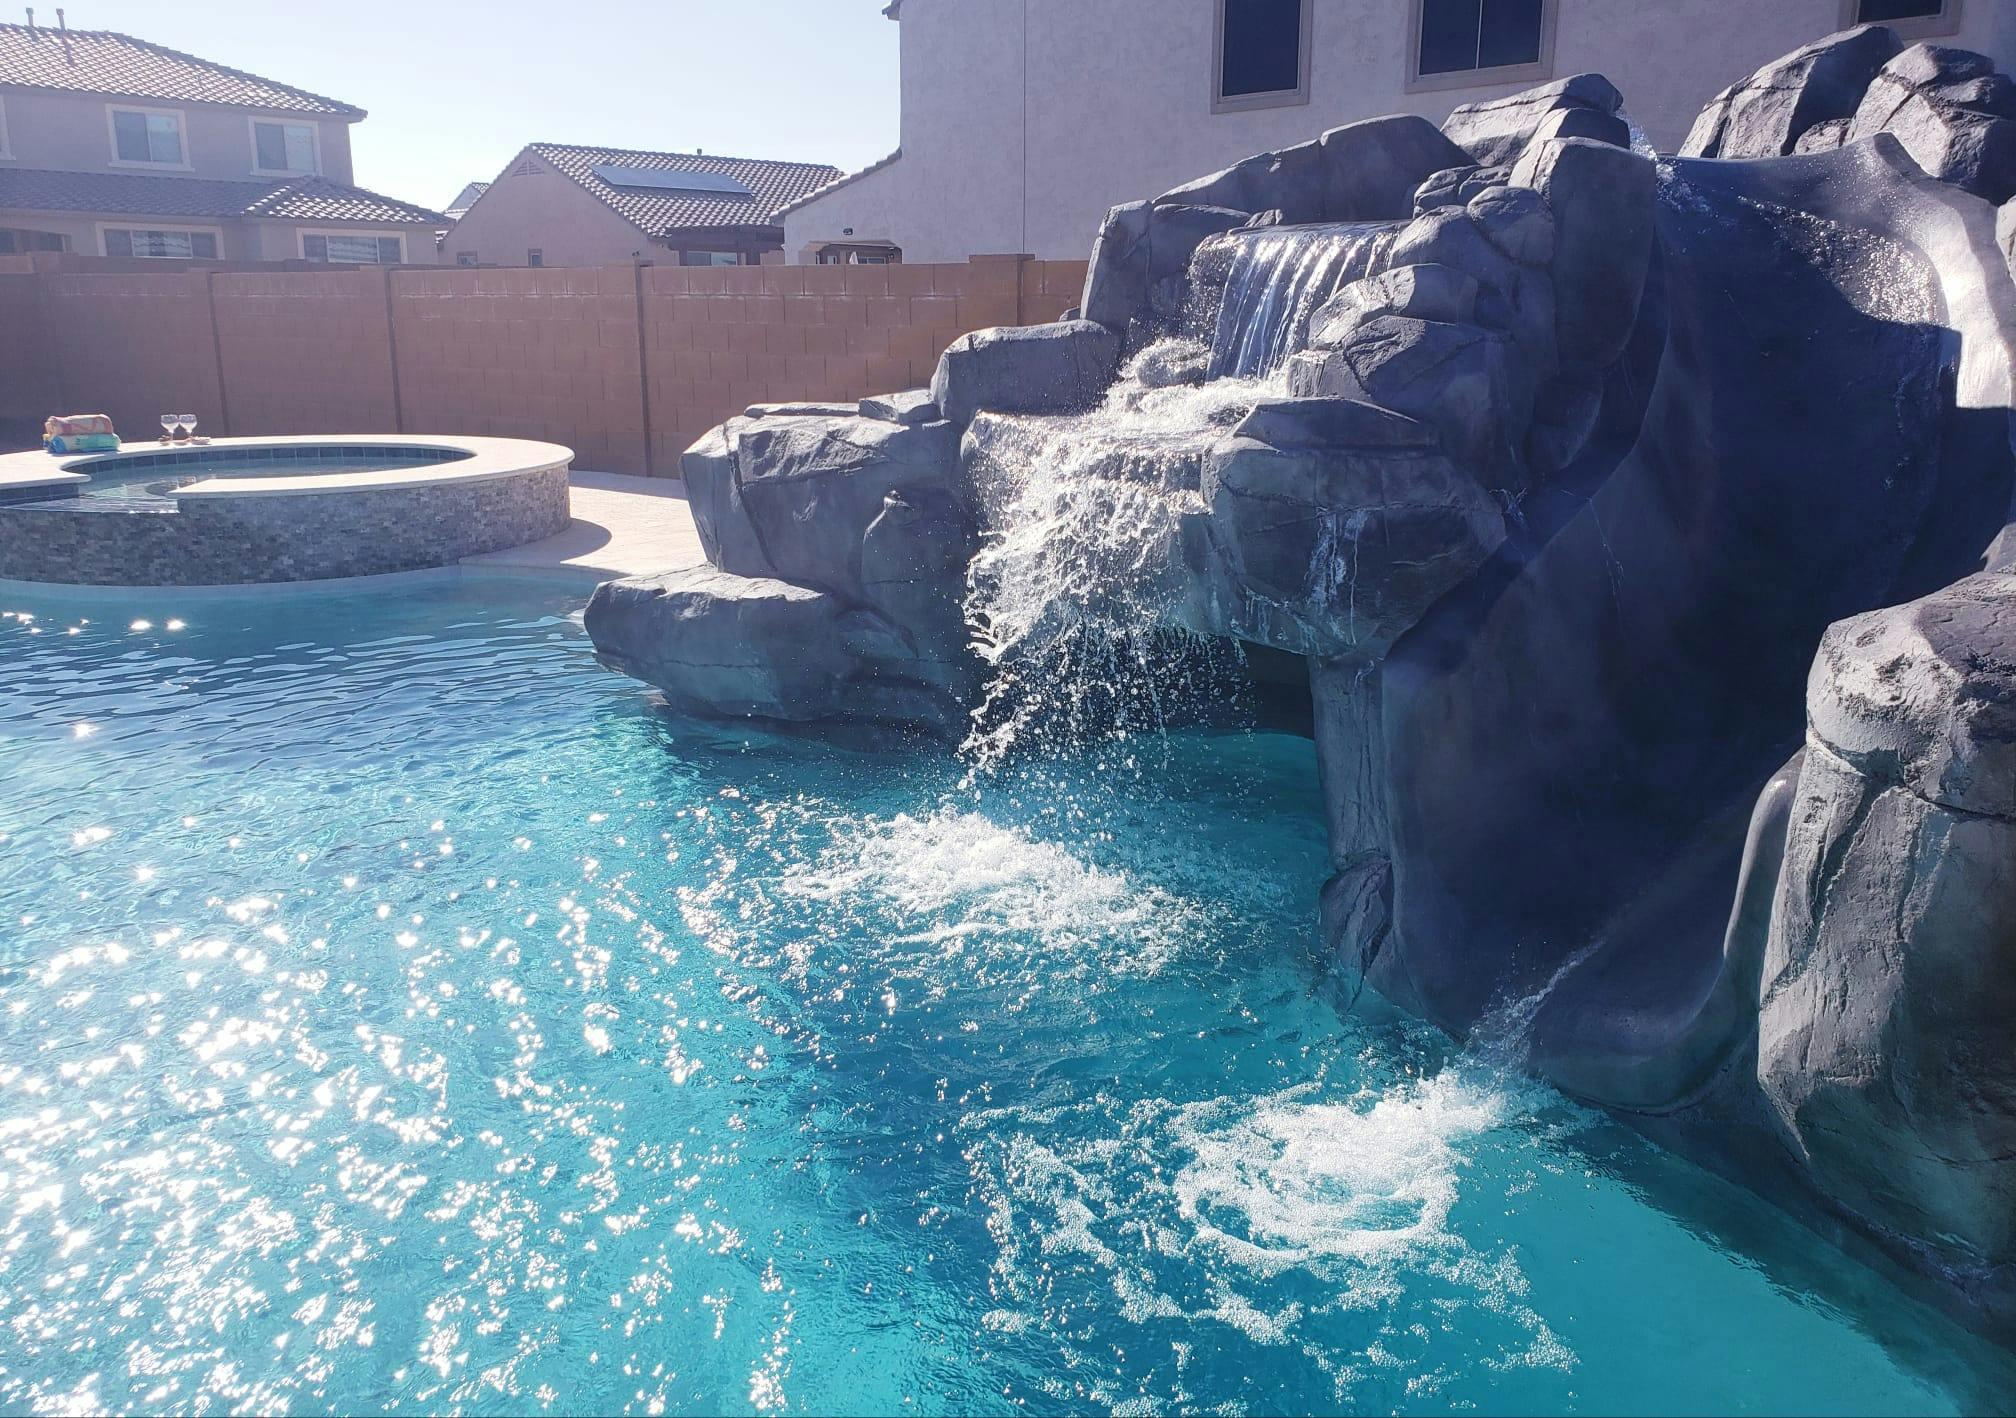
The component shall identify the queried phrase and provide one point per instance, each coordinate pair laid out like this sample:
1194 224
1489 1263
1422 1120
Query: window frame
1946 22
302 234
535 257
252 122
1541 68
215 233
181 117
1274 98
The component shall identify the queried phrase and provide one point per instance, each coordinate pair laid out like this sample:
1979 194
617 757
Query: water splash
1078 596
1279 278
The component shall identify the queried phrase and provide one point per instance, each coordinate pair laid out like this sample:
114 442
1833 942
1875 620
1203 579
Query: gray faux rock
912 406
1032 369
1443 189
1338 551
809 488
721 646
1517 221
714 496
1952 112
1498 130
1890 979
1458 379
1423 292
1771 111
1375 166
1116 280
1601 198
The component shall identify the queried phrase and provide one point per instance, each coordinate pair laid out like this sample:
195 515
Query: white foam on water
1278 1216
1309 1182
957 880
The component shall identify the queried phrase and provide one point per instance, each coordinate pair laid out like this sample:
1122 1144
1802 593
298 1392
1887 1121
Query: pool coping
488 458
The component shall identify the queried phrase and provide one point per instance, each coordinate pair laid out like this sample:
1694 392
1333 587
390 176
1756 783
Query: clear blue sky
455 87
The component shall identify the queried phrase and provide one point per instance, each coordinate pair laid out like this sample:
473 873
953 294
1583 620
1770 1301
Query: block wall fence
627 365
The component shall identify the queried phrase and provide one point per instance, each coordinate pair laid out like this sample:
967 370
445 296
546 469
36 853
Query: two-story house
1024 120
112 146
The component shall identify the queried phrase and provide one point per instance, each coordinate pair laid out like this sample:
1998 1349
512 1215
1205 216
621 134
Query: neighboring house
112 146
465 199
1024 120
556 204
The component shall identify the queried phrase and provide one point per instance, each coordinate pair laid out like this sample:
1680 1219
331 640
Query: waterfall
1278 278
1080 597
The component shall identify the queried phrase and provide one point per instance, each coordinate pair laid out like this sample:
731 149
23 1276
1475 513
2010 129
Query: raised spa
246 510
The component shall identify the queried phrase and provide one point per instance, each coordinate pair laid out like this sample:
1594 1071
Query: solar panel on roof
670 180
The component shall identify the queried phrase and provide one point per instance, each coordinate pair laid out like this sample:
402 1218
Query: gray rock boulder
1336 550
1375 166
1443 189
1516 220
1890 979
1952 112
1498 130
1029 369
1423 292
721 646
1116 281
1460 380
1601 199
912 406
1768 113
791 497
714 495
798 410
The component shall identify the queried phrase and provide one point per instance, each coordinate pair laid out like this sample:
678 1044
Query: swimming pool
401 1014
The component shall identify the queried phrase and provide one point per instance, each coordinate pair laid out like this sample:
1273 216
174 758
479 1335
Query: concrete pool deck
622 526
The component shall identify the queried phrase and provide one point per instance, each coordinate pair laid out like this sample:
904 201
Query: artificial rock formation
1641 525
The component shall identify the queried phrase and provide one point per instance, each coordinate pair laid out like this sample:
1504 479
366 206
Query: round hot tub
245 510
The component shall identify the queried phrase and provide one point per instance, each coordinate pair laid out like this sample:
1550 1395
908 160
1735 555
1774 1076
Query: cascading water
1079 596
1278 279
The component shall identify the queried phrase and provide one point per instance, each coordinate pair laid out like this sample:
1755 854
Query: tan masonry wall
625 364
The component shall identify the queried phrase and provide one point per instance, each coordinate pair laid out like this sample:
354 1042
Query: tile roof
151 195
466 198
822 190
106 62
658 210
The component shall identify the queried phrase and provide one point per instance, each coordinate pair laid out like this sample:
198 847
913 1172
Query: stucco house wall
72 132
1024 120
544 208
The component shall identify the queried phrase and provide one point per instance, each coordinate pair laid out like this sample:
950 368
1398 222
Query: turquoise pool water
400 1014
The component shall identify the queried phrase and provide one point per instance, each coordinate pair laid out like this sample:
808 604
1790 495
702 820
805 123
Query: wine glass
187 423
168 428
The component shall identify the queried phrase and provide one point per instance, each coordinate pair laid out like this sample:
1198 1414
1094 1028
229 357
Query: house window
465 258
1261 57
1471 38
286 148
534 256
5 151
13 239
710 258
167 245
147 136
1913 18
356 250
